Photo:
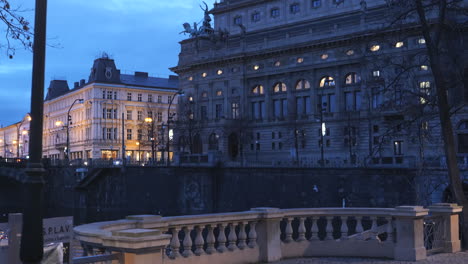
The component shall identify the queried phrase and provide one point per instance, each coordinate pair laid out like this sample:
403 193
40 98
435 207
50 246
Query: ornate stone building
107 107
14 139
301 81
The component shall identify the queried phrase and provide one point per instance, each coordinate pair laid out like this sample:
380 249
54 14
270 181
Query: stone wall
113 193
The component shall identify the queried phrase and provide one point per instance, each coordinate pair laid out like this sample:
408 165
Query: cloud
14 68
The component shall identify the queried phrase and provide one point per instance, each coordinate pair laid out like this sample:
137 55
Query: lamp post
18 128
80 101
150 123
139 156
323 130
169 118
32 240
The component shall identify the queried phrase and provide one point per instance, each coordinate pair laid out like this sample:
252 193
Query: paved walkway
455 258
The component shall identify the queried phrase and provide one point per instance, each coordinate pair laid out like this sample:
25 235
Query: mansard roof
56 89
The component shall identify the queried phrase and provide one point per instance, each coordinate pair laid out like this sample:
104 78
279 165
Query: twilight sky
140 35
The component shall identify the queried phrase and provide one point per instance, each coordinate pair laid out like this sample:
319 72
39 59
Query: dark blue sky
140 35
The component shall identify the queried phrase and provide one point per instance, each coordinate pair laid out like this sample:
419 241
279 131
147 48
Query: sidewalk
455 258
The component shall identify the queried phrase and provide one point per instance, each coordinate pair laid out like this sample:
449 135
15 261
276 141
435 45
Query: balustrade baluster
232 238
210 240
252 235
329 228
221 239
199 241
314 229
187 242
301 229
175 244
344 228
389 229
242 236
288 231
359 228
374 222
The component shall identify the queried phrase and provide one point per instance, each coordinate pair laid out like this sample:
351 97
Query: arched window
280 87
352 78
213 142
302 84
327 81
182 143
257 89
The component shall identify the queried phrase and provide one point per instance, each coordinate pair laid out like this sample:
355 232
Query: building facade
311 82
109 115
14 139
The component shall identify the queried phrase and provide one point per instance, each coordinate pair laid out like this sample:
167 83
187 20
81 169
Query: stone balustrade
271 234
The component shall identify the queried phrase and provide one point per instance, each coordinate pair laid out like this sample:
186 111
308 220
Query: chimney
82 82
76 85
141 74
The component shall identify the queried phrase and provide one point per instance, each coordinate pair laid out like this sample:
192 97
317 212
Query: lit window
424 68
316 3
376 73
238 20
277 63
375 48
327 81
219 72
190 99
204 94
294 8
219 93
424 85
258 89
256 17
399 44
280 87
352 78
204 74
425 90
324 56
256 67
422 41
350 52
300 60
275 12
302 84
190 78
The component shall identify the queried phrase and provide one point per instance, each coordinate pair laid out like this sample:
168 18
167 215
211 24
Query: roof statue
205 29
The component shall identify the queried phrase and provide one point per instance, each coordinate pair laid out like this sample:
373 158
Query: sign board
58 229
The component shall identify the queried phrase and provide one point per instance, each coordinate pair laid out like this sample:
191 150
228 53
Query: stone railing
271 234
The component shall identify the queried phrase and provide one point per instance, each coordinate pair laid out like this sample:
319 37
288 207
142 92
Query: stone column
409 233
450 224
268 234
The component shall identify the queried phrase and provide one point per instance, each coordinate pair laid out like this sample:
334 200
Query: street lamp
323 131
18 129
80 101
169 118
150 122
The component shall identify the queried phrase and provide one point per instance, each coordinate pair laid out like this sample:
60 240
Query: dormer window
300 60
294 8
350 52
255 17
375 48
421 41
256 67
238 20
324 56
277 63
204 74
275 12
399 44
219 72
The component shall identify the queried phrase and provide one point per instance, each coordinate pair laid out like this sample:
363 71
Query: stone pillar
409 233
450 224
139 246
268 234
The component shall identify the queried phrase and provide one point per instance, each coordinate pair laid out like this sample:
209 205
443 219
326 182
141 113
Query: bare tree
16 28
442 23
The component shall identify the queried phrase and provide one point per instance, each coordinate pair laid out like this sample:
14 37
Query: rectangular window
115 114
109 94
169 99
159 116
219 111
103 94
397 147
425 90
316 3
284 104
272 145
140 97
262 109
109 113
275 12
159 99
129 96
129 114
377 97
150 98
140 134
129 134
235 110
294 8
115 95
277 108
150 114
203 112
140 115
104 113
307 103
376 73
300 110
108 133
